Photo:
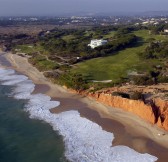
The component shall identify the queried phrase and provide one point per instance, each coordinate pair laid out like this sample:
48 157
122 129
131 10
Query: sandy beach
128 129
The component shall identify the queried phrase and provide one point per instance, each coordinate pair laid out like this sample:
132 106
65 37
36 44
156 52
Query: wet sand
128 129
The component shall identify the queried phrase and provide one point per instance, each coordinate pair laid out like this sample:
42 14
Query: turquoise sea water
23 139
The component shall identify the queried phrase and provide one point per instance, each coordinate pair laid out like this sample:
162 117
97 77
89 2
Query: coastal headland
128 128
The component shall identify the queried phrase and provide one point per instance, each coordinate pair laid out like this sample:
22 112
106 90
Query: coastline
132 125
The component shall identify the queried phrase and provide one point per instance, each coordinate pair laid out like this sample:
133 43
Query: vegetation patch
43 64
117 66
66 58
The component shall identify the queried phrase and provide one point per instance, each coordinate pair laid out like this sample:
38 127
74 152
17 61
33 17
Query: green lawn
68 37
117 66
146 35
109 35
114 67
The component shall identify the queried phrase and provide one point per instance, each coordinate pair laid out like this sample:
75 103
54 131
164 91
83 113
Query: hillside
134 55
123 62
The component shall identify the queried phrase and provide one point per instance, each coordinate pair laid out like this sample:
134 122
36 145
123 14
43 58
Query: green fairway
109 35
115 67
145 34
106 36
68 38
119 65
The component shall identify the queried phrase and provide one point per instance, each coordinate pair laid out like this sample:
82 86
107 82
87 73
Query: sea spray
85 141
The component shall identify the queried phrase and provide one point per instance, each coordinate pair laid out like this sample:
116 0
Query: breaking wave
85 141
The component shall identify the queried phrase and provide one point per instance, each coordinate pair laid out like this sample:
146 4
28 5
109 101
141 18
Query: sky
55 7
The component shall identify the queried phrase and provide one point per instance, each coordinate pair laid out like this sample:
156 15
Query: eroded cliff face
163 113
155 111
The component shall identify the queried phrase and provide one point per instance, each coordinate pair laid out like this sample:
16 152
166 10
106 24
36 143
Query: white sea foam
10 78
85 141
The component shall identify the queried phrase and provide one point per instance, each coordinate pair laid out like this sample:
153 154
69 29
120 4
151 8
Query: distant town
86 20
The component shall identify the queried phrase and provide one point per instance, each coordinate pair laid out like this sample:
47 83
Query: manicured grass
109 35
116 66
68 37
119 65
145 34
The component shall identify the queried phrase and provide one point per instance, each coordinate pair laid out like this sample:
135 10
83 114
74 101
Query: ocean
29 132
23 139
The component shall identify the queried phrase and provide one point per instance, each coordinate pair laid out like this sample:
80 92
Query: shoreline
143 136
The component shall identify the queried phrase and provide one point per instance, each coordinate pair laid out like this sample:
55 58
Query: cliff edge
153 110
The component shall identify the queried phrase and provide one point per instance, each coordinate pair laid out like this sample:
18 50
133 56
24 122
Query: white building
145 22
166 30
97 42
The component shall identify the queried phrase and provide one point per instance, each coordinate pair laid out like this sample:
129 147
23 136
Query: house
145 23
166 31
97 42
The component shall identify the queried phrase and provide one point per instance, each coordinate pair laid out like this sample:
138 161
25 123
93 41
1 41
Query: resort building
165 30
97 42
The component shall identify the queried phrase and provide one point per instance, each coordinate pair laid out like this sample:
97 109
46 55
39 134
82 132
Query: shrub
136 96
121 94
143 80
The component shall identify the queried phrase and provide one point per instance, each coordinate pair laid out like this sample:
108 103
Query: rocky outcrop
154 111
163 110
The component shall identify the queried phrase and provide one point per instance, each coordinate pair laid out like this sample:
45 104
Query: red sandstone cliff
163 113
155 111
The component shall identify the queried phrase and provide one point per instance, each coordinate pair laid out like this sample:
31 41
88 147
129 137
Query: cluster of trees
69 49
57 45
120 42
155 50
77 46
153 77
12 40
159 29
